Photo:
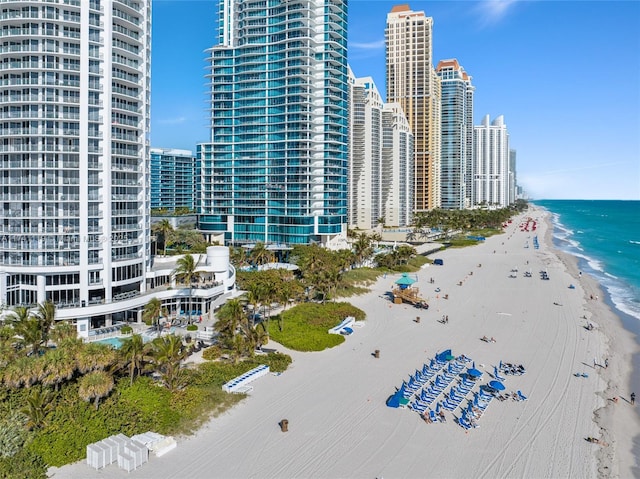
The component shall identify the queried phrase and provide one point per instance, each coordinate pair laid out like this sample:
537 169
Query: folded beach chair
433 417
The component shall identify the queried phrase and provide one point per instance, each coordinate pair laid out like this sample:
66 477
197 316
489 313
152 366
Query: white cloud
493 11
172 121
375 45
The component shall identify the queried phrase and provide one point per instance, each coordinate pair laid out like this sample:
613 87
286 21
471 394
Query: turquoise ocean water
605 236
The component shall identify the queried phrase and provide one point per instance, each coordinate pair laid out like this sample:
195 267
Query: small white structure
348 322
240 384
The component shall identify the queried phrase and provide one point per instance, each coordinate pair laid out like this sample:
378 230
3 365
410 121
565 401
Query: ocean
605 237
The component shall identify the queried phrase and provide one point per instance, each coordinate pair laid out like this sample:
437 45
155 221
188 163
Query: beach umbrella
474 373
500 366
497 385
473 365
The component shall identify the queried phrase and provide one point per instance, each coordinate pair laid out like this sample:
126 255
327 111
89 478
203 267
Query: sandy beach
340 427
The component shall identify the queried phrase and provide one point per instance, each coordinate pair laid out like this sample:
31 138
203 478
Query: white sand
339 425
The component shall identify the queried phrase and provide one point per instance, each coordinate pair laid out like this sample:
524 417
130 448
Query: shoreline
618 425
334 400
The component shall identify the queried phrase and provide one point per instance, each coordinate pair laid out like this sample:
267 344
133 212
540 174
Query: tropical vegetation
60 394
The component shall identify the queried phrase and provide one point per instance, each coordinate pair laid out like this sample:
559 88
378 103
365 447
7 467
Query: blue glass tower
275 170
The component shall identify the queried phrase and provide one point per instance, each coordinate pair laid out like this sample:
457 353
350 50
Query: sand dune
339 425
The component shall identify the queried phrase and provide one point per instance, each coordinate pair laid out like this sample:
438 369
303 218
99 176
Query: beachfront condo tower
74 86
456 175
412 82
173 179
380 160
275 170
491 158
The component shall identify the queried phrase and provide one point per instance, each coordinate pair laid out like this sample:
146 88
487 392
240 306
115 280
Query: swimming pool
115 343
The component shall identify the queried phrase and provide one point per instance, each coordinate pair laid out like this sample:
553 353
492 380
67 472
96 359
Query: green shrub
305 326
211 353
23 465
126 330
192 327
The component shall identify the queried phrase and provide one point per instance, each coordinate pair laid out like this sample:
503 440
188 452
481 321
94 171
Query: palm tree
260 254
95 357
46 314
38 406
166 353
153 310
63 330
28 329
133 351
95 385
24 371
228 319
186 271
59 366
164 228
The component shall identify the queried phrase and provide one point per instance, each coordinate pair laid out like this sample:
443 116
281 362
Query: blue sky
565 75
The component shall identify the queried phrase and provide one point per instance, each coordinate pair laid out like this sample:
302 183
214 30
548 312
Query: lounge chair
497 375
521 397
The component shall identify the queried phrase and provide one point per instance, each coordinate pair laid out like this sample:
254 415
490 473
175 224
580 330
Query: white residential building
491 158
380 159
74 158
397 167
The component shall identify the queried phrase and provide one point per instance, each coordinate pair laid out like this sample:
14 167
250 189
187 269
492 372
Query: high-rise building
513 179
491 158
365 154
74 80
456 177
74 167
412 82
380 160
397 167
275 170
173 179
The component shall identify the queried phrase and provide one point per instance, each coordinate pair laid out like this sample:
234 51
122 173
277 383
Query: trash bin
376 353
284 425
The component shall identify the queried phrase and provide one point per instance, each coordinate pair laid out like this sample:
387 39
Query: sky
564 74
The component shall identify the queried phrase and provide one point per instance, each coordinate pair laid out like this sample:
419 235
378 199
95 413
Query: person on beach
606 363
633 398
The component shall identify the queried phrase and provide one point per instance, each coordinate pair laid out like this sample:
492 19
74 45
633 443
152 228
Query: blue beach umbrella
497 385
474 373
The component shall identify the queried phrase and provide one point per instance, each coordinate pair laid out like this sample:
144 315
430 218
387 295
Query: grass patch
305 326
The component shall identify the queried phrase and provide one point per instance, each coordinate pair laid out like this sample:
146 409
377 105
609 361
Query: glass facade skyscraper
173 179
275 170
456 175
